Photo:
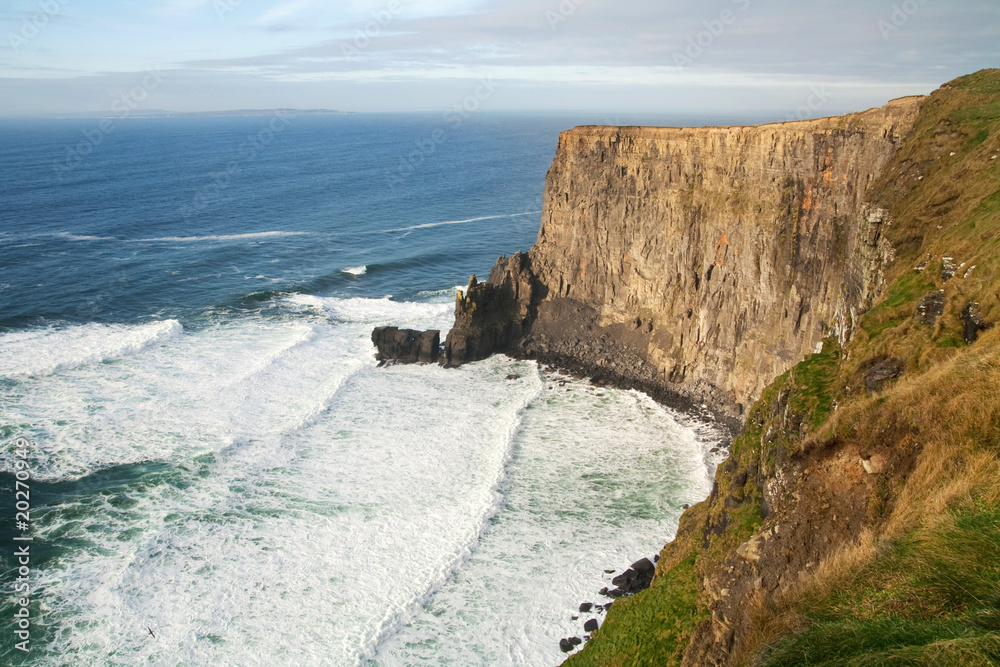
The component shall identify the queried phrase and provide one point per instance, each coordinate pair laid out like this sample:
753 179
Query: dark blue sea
214 470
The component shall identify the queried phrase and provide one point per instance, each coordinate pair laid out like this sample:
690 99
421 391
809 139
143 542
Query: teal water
215 455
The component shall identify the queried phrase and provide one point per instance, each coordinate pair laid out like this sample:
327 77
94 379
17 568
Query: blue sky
815 56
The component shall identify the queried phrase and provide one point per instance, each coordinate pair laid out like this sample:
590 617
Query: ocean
214 471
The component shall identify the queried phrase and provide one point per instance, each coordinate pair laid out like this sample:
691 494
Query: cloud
642 43
590 44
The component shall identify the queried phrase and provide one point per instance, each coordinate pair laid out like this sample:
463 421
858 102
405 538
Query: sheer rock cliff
700 263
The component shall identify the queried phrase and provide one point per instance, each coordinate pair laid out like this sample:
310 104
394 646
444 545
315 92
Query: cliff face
857 520
709 261
843 275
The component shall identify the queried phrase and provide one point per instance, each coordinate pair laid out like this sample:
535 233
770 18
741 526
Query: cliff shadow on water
827 290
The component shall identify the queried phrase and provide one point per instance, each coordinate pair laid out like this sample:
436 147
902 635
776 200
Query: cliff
706 261
827 288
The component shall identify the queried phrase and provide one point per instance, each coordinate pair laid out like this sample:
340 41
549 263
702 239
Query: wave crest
51 351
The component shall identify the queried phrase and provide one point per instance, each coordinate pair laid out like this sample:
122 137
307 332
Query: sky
802 58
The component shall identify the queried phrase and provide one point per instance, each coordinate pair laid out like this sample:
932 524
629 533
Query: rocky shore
826 291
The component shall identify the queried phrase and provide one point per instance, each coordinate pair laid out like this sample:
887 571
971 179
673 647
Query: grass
651 628
928 599
906 291
813 380
921 583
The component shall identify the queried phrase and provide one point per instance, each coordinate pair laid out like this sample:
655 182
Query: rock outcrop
407 345
698 262
490 315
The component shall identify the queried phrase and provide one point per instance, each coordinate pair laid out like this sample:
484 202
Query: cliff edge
829 290
701 263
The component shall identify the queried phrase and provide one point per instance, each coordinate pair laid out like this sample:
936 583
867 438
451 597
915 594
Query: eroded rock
931 307
878 371
406 345
974 323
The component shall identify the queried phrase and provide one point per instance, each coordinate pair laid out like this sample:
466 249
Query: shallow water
216 456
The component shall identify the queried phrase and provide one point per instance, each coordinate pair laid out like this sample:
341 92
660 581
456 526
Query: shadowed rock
406 345
974 323
491 316
931 308
878 371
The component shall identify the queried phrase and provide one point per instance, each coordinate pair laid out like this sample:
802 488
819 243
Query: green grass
984 82
929 599
814 384
890 642
876 330
989 207
951 341
908 289
652 628
978 114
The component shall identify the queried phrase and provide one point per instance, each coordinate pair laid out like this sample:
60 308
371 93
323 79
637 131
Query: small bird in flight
151 631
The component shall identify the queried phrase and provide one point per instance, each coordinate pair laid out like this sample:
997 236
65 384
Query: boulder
591 625
974 323
948 269
586 606
625 578
491 316
565 645
931 307
644 566
878 371
406 345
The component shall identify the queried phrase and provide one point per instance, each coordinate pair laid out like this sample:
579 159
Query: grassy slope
922 586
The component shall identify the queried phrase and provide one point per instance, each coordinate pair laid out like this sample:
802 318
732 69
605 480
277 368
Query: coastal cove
215 457
764 357
826 290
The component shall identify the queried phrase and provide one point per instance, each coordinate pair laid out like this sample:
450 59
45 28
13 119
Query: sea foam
259 493
51 351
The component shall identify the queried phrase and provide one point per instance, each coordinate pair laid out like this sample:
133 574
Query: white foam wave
430 225
450 292
47 352
576 503
380 312
355 270
84 237
311 506
221 237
